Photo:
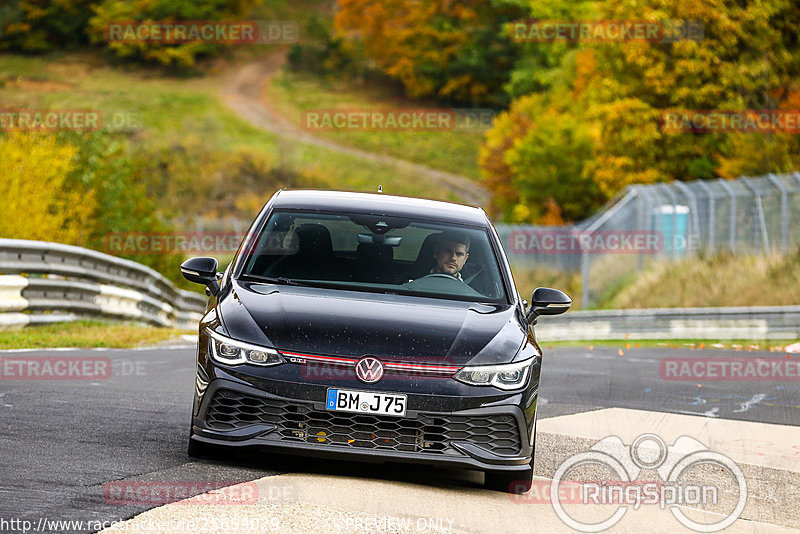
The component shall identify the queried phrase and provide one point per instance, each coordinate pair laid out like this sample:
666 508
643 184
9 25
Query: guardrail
755 323
64 283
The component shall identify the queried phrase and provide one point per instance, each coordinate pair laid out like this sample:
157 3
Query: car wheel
514 482
197 449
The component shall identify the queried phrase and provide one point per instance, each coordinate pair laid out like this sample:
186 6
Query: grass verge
157 110
87 334
455 151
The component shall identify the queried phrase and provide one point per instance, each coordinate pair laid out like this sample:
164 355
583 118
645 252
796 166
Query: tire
514 482
197 449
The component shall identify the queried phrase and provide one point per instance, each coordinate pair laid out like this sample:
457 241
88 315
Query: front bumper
492 436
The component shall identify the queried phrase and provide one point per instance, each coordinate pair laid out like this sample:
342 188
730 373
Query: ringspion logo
676 489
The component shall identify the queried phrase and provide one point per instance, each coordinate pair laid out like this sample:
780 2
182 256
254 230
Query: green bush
178 54
43 25
115 173
322 52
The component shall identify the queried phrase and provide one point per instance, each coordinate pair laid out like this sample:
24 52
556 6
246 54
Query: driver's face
450 258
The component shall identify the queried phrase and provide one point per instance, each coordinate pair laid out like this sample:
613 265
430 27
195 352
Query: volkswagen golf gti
374 328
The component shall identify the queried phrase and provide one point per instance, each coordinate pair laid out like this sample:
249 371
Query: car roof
379 204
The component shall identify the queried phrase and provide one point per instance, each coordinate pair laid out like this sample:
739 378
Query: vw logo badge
369 369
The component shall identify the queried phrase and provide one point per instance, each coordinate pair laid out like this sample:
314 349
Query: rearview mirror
378 239
202 270
548 301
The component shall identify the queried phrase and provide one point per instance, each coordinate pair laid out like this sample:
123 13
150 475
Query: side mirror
548 301
202 271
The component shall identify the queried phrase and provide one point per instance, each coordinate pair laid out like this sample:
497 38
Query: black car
371 327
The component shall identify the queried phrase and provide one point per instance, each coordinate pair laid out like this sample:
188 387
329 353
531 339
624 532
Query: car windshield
374 253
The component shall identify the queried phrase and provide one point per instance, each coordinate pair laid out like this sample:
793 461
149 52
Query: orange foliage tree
449 50
593 121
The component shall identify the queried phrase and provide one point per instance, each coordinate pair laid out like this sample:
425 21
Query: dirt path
244 90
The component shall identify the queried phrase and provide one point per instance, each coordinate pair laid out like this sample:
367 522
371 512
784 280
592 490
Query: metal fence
758 215
49 282
753 323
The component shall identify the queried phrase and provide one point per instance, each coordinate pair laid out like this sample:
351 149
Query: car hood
391 327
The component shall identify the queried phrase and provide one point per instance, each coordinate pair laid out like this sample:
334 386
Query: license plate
342 400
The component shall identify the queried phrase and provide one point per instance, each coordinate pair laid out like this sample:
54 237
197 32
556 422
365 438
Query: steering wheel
440 275
474 276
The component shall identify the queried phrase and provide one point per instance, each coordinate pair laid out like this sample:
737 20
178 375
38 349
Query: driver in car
451 254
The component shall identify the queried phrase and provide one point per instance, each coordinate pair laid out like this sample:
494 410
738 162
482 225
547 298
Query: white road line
752 402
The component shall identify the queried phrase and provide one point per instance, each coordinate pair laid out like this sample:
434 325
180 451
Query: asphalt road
577 380
61 441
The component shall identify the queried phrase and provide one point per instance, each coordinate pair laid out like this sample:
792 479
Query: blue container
673 223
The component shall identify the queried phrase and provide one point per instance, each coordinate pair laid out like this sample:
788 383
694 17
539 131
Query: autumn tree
451 51
38 200
609 100
182 54
533 160
43 25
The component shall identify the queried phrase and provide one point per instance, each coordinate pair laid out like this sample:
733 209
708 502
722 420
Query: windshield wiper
273 280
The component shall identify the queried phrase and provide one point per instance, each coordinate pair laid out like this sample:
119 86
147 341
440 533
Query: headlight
232 352
508 376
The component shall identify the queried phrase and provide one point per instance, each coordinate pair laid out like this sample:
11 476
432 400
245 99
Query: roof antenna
380 189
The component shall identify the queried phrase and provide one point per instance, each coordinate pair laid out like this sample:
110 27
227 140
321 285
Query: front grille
297 422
